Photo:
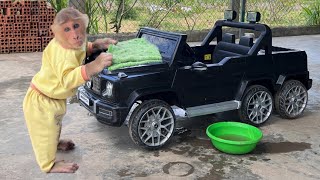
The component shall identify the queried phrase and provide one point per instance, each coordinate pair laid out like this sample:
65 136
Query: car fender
246 83
163 93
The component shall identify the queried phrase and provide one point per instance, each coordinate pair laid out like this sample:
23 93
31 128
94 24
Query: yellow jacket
61 71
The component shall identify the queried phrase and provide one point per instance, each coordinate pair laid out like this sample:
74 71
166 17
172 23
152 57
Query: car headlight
89 84
109 89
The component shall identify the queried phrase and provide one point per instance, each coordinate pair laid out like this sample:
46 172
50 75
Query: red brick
19 18
10 19
51 11
27 18
17 26
42 3
42 18
35 18
51 33
45 41
26 3
26 26
25 11
28 40
29 48
34 32
43 32
17 4
8 27
2 34
34 11
42 25
43 10
16 34
7 33
4 46
35 4
12 11
50 18
5 3
37 40
12 44
25 33
37 48
20 42
4 51
19 48
34 25
3 42
3 19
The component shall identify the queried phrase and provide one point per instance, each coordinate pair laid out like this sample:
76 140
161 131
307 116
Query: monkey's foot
62 167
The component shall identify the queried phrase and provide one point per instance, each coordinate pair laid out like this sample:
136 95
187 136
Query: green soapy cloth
133 52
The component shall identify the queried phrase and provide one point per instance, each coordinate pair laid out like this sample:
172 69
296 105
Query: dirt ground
289 149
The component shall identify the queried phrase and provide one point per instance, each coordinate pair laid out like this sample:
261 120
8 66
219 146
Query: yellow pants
43 117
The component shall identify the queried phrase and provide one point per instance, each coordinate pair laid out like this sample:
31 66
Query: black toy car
250 76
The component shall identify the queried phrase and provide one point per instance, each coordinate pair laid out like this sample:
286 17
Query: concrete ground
289 149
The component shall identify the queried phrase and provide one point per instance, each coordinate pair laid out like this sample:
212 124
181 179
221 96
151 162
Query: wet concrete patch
280 147
128 173
179 169
192 143
20 84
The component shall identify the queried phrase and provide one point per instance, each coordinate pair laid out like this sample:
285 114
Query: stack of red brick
25 25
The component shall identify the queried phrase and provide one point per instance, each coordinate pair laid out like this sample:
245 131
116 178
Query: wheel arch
268 83
168 96
303 78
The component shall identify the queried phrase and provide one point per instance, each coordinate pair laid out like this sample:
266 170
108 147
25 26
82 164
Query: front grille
96 84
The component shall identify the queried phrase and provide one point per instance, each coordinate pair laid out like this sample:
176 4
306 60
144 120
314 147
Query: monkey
62 71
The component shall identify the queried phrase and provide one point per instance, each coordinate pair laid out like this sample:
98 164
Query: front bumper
105 113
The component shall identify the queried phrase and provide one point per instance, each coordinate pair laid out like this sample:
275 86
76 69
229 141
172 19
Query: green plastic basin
234 137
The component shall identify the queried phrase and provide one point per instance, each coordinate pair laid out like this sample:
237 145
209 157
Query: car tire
256 105
291 100
152 124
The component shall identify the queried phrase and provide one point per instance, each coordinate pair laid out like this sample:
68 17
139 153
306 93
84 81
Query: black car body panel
190 78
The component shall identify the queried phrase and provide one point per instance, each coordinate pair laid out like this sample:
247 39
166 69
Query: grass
200 15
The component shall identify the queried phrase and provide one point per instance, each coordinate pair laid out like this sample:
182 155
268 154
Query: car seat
246 41
228 49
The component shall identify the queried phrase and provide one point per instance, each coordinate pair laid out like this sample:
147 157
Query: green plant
93 19
170 3
97 12
312 13
123 9
58 4
131 12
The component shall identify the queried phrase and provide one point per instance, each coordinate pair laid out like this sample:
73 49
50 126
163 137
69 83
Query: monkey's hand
96 66
103 44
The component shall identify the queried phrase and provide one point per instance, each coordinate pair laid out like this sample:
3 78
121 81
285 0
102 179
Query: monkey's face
73 33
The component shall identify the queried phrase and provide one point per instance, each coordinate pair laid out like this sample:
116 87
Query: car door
209 84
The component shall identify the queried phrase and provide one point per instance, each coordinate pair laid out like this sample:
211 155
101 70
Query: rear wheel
256 106
152 124
291 100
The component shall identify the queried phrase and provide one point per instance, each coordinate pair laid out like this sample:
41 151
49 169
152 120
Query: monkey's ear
85 19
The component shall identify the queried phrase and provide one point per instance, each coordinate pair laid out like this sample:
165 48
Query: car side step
212 108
